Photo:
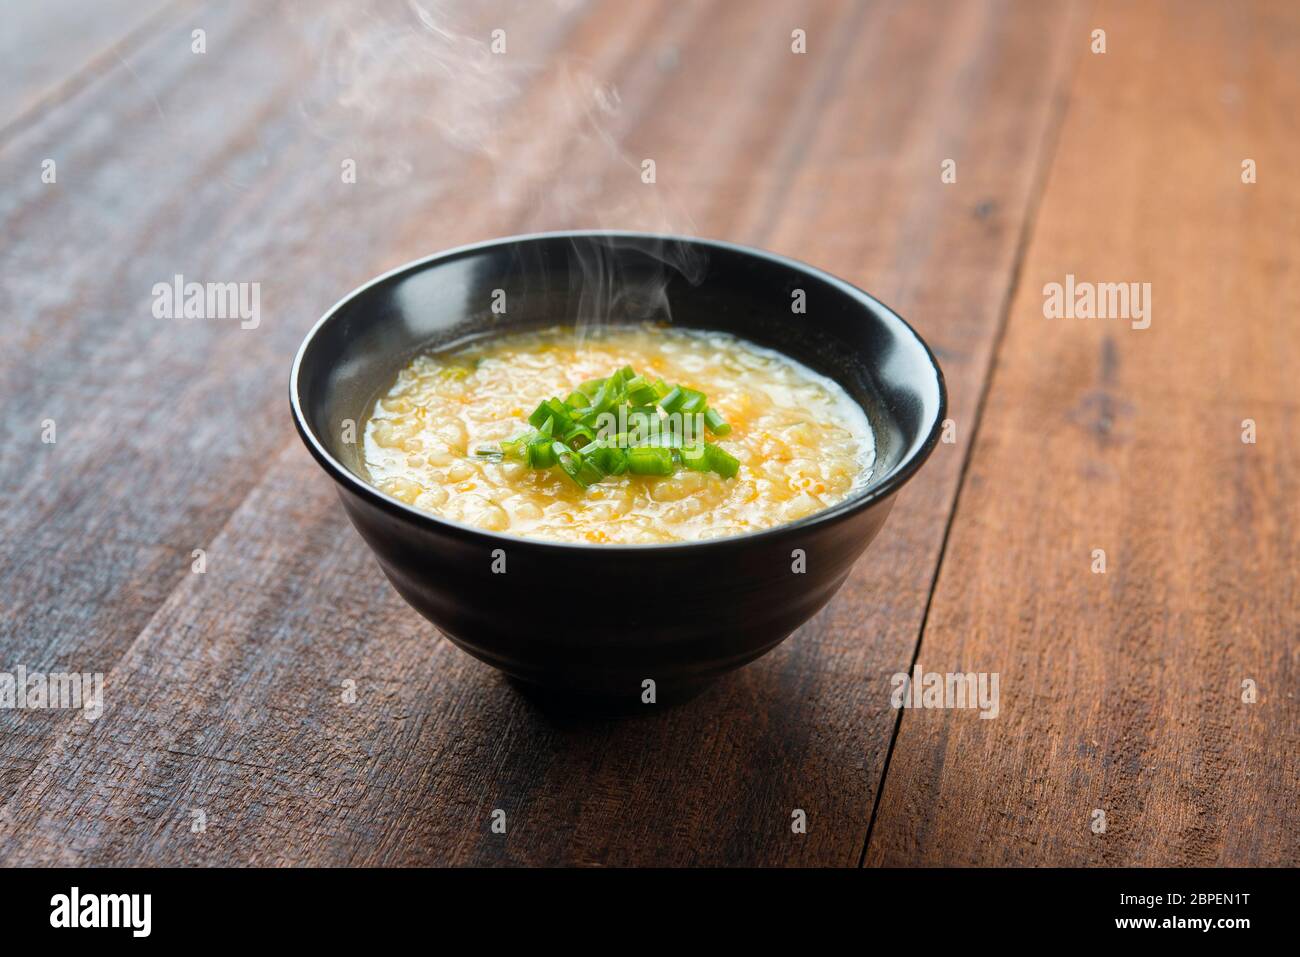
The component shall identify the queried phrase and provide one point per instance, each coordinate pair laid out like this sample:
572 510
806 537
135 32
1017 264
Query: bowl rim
855 502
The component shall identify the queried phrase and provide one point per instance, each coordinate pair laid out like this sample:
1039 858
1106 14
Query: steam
615 287
541 130
392 77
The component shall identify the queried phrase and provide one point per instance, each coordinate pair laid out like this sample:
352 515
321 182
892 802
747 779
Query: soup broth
802 443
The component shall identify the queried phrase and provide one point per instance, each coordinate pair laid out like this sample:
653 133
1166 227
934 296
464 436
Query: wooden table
284 706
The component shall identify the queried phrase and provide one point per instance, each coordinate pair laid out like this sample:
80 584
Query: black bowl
677 614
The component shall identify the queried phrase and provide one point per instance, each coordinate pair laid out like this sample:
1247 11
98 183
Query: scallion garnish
724 464
695 458
672 402
650 460
579 436
570 463
716 423
576 434
540 415
541 453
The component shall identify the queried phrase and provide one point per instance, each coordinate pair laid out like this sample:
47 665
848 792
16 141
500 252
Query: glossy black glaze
676 614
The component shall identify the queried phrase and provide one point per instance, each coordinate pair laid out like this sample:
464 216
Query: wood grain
225 689
164 426
51 49
1122 691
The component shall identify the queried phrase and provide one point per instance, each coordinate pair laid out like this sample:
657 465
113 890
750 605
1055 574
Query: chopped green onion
672 402
552 408
570 463
561 413
540 415
695 402
565 432
641 392
684 400
612 461
589 473
722 463
605 398
649 460
609 459
696 458
639 419
579 436
715 422
541 454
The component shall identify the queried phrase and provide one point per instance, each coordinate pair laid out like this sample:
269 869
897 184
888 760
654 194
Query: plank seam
222 528
1050 144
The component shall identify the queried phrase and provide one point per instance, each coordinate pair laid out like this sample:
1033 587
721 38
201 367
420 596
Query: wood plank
227 694
164 426
1122 691
52 48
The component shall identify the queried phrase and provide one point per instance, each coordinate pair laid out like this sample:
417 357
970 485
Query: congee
627 435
